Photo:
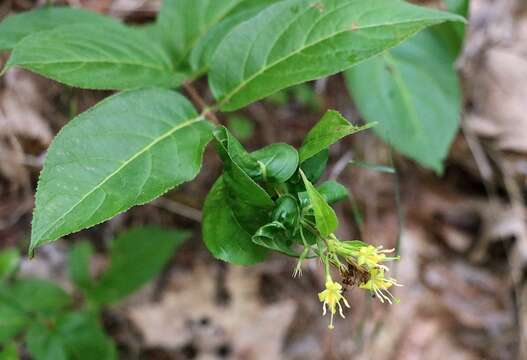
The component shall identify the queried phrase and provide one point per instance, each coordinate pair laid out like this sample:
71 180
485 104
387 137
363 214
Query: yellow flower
372 256
331 297
378 285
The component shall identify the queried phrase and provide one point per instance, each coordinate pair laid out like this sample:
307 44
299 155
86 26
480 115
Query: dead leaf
190 314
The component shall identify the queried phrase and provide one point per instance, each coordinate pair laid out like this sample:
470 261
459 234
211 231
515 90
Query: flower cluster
360 265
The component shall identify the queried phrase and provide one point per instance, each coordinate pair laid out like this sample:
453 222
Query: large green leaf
103 56
416 97
74 336
16 27
135 258
330 129
223 235
295 41
325 217
127 150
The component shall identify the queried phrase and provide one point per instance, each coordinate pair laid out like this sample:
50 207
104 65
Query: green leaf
286 212
248 200
333 191
417 98
314 166
330 190
204 50
9 260
274 236
182 23
453 34
223 235
105 56
246 5
21 299
325 217
127 150
9 352
75 336
241 127
34 295
135 258
45 344
297 41
14 320
79 265
330 129
460 7
16 27
279 162
230 149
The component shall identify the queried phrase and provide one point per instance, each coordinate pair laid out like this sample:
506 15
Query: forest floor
462 235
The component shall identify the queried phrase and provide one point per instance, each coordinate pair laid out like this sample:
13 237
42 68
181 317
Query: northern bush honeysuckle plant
266 200
138 144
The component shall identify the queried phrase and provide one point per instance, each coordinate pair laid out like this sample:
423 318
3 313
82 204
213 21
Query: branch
207 111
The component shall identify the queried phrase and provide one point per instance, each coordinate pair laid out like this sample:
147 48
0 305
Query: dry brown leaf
495 67
21 104
189 313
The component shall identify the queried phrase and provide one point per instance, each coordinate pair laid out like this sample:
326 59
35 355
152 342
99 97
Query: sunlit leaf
302 40
127 150
103 56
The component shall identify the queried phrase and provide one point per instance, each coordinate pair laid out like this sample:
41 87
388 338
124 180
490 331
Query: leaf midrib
179 126
244 83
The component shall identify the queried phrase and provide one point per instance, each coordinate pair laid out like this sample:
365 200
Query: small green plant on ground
139 143
53 324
